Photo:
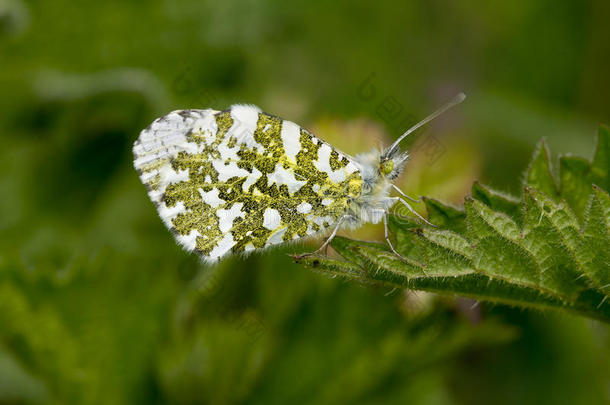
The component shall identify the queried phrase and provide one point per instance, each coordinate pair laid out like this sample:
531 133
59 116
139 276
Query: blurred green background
99 305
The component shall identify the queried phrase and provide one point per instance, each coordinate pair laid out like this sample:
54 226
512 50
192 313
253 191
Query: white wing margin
162 140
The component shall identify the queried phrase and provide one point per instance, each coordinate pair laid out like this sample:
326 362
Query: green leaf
577 174
539 174
597 239
575 181
497 200
445 216
601 159
547 250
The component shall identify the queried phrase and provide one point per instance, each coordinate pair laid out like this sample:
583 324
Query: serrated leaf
601 159
484 222
549 249
597 238
451 241
575 181
445 216
551 234
497 201
539 174
348 249
578 174
444 253
331 267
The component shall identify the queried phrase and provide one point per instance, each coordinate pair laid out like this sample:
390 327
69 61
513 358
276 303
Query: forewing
238 180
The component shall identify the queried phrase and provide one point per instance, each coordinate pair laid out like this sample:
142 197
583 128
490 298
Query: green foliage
547 250
99 305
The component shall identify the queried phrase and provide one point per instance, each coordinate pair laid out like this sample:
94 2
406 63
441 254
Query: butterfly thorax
378 170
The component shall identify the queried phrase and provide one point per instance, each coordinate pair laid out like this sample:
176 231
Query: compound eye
387 167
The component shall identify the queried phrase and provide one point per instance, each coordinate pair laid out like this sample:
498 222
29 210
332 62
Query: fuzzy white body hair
375 200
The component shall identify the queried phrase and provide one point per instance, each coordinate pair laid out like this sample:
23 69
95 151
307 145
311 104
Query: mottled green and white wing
237 180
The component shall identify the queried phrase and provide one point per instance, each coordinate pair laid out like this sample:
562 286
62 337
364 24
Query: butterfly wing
238 180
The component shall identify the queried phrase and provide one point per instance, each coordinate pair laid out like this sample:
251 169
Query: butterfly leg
327 241
406 196
387 236
406 204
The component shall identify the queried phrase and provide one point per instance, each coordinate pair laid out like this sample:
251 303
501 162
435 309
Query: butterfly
240 180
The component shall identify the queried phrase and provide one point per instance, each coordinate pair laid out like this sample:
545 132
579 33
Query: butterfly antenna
452 103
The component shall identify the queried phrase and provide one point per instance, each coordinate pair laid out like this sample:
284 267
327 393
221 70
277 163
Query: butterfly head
391 163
